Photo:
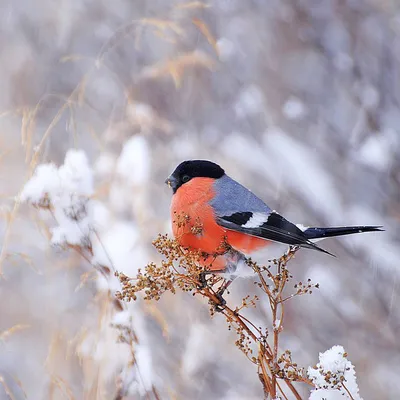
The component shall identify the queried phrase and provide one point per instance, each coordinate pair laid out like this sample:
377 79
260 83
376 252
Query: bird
216 215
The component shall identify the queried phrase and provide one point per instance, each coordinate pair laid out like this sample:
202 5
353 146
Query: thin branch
293 389
347 390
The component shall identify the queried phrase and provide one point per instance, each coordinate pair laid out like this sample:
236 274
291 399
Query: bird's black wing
272 227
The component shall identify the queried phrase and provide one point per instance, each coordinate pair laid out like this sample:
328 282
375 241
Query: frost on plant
334 376
65 191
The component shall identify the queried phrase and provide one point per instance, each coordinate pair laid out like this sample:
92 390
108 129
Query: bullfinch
216 215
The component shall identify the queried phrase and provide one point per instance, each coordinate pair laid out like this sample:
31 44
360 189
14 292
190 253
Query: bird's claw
202 280
222 302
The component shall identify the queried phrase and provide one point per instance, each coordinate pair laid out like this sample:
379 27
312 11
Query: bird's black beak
172 182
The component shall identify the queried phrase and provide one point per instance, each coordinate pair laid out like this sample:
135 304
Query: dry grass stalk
11 331
111 306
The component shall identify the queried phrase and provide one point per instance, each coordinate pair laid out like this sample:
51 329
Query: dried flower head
189 271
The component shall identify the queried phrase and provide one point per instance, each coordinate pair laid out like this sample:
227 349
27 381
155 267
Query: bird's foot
222 302
202 280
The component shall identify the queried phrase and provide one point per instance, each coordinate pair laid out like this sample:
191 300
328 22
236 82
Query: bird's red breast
194 224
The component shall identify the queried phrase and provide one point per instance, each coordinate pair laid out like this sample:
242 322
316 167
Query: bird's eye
185 178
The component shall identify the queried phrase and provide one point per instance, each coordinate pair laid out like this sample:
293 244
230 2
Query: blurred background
298 100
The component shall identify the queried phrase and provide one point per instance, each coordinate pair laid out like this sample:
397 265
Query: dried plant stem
275 353
293 390
347 390
266 379
274 369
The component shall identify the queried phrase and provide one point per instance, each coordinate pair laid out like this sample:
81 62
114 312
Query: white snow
66 190
145 366
123 318
104 165
118 197
376 150
294 109
142 110
226 49
142 114
196 354
44 182
333 362
101 215
250 102
118 247
134 162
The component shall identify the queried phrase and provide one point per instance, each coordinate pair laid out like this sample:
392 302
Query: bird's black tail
320 233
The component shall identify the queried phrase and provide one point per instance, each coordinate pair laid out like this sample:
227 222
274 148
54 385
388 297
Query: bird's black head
190 169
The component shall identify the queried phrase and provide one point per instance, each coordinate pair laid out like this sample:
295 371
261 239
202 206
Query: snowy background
298 100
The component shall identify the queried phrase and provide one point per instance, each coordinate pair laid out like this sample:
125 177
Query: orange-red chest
193 220
194 224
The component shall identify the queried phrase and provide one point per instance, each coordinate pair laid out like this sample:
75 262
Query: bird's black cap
189 169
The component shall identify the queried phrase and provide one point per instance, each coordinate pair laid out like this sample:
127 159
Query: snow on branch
64 190
334 376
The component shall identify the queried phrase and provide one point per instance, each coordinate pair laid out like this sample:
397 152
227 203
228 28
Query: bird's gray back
231 197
